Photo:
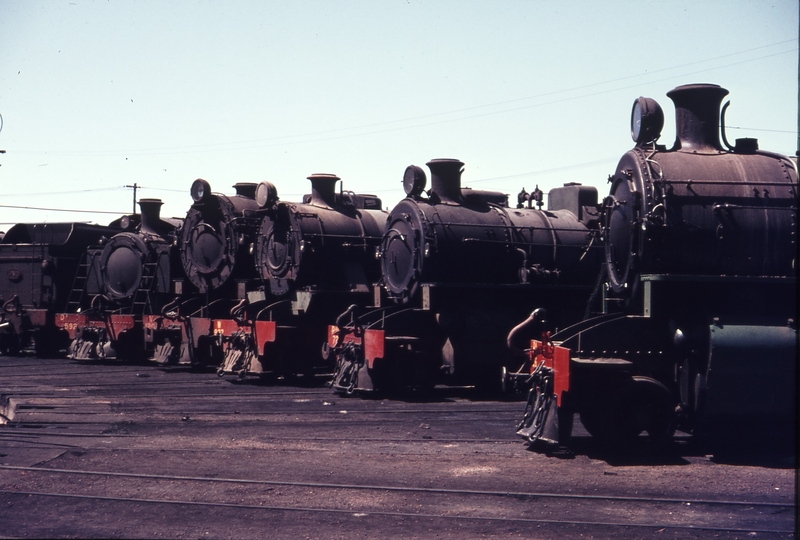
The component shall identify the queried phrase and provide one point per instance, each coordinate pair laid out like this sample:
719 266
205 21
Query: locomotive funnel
446 179
697 114
151 215
246 189
323 189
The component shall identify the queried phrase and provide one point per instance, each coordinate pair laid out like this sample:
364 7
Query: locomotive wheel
642 404
650 407
9 345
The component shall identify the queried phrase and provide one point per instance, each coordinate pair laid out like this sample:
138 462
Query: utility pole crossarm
135 186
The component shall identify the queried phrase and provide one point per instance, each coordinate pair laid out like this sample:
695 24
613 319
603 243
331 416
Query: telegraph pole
135 186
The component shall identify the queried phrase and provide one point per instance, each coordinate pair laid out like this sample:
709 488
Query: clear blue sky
96 95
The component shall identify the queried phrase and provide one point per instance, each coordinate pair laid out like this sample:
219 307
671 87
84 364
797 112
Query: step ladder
87 269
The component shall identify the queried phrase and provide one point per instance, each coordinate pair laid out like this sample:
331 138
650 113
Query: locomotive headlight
200 190
647 120
414 180
266 194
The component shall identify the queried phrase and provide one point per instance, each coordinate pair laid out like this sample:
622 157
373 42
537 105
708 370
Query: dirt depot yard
142 451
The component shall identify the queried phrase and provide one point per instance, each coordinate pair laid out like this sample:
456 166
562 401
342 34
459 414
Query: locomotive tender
37 265
454 264
698 330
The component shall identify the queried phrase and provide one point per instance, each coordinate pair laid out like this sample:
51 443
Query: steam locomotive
671 304
214 247
267 276
313 259
698 327
38 262
454 264
121 281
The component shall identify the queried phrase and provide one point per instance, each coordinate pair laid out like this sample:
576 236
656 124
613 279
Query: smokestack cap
151 215
446 179
323 189
246 189
697 115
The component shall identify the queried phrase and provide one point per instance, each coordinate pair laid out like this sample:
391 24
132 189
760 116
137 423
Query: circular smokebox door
121 265
401 261
621 233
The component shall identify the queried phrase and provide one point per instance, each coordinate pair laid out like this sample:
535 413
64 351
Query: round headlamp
414 180
200 190
266 194
647 120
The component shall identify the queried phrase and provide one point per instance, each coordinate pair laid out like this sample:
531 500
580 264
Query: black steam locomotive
698 328
313 259
215 249
38 262
119 283
455 263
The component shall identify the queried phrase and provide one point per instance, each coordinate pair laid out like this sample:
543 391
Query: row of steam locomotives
699 294
670 303
245 282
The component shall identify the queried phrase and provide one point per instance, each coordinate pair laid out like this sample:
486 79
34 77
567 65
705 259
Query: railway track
518 507
181 454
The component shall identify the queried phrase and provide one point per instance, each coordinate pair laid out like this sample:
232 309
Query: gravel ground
140 451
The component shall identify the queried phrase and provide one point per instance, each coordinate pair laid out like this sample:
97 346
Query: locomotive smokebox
446 179
697 113
151 215
323 189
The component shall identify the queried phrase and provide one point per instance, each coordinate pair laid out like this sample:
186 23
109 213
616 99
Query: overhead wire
277 141
63 210
71 192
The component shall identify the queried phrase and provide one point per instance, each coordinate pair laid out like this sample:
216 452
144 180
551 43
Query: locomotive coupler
349 353
240 355
544 426
535 324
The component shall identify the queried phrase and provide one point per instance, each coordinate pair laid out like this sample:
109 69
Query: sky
99 95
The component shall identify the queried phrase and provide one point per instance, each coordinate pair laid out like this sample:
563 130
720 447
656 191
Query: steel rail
366 513
368 487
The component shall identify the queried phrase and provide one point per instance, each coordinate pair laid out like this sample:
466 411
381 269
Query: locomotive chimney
323 189
151 215
697 114
446 179
246 189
